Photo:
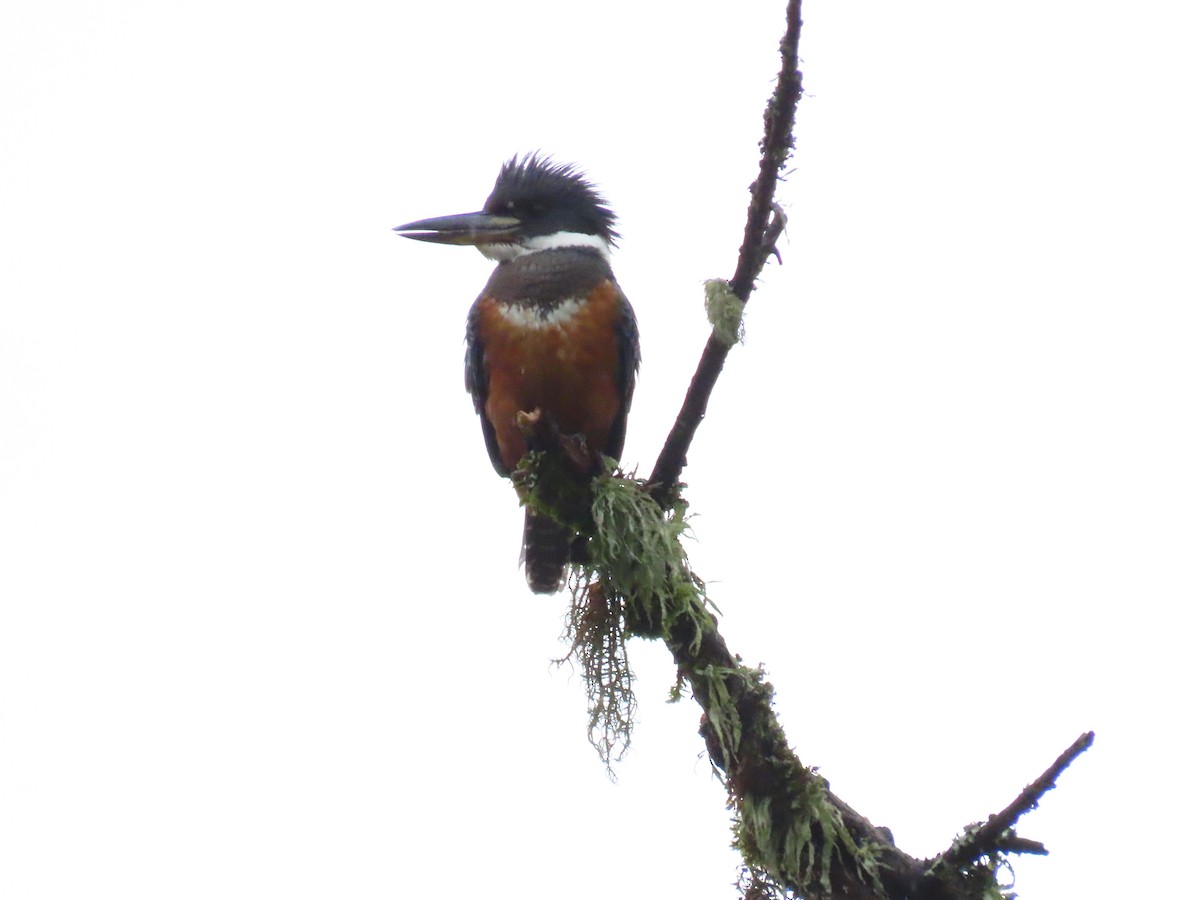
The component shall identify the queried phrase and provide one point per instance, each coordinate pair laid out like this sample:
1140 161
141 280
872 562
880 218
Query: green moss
725 310
635 582
796 845
788 831
637 554
721 713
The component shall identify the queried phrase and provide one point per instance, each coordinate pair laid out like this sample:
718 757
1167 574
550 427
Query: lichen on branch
633 581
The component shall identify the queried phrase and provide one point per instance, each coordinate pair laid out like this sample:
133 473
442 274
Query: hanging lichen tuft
597 634
635 582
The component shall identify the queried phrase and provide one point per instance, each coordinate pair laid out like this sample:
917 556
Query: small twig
1014 844
993 834
773 233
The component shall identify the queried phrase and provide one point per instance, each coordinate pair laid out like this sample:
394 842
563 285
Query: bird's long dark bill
468 228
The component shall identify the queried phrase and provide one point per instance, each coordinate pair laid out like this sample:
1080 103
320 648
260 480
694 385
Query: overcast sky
262 629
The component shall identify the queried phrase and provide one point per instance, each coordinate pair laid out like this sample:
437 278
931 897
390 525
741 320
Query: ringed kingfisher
552 330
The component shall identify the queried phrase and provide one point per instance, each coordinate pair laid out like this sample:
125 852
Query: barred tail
546 549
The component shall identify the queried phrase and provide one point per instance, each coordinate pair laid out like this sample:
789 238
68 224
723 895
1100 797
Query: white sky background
262 632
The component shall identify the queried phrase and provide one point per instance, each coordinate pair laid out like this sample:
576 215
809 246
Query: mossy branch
796 836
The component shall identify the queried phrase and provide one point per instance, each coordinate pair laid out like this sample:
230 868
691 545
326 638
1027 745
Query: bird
552 331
